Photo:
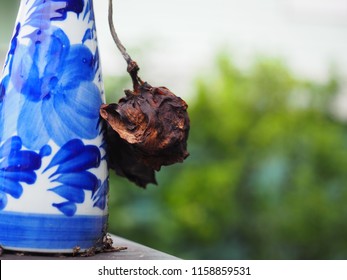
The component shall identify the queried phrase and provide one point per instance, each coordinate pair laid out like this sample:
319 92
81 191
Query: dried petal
124 160
148 128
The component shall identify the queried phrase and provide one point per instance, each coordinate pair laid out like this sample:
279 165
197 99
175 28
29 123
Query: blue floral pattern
100 195
72 163
17 166
50 96
53 76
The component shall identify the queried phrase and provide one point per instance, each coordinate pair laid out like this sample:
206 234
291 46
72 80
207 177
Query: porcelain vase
53 170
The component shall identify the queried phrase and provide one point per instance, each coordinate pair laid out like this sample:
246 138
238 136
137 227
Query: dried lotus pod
147 129
154 122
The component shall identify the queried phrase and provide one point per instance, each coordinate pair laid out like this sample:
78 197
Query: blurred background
266 84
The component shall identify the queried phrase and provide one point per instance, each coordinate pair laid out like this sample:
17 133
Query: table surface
133 251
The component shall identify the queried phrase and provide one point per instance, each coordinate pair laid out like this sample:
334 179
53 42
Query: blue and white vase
53 170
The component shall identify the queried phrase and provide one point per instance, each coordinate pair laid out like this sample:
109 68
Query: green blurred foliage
266 178
8 13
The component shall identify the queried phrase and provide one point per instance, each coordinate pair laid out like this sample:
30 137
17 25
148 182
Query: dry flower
147 129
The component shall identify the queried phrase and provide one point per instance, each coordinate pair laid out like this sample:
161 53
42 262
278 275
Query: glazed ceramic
53 171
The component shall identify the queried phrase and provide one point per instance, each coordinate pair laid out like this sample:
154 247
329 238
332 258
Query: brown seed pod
147 129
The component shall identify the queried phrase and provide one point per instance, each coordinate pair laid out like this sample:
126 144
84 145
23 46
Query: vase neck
56 10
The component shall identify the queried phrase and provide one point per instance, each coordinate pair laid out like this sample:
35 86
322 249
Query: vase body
53 170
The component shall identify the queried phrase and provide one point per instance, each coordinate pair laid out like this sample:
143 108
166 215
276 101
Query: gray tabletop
128 250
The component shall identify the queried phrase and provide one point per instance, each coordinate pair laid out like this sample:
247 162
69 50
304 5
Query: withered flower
147 129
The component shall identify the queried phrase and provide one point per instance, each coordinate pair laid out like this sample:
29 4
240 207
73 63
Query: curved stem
115 36
133 68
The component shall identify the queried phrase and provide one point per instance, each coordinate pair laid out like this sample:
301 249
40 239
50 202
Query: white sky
180 38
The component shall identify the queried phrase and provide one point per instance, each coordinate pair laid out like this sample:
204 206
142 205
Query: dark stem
119 44
133 68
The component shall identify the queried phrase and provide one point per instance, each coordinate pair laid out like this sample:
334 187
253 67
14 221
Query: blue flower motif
42 9
56 78
100 195
51 96
75 6
73 161
16 166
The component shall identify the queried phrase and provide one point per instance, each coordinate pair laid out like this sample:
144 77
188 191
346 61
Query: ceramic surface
53 170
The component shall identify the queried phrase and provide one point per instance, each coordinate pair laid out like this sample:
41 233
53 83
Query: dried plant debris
147 129
76 250
106 246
